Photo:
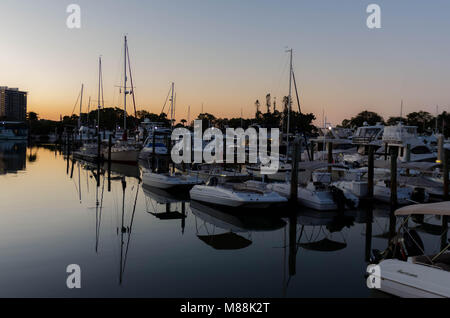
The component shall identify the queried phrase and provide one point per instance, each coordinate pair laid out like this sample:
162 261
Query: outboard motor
338 197
419 195
212 182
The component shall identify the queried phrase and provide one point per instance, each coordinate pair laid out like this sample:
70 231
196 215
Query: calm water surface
138 242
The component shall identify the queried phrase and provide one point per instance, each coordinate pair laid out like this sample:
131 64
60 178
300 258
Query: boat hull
410 280
168 183
221 197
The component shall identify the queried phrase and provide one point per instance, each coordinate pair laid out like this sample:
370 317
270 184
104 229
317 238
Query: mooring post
153 150
385 151
369 221
169 151
370 174
294 172
394 155
408 157
292 244
445 163
71 171
109 162
445 174
330 156
98 160
98 148
312 150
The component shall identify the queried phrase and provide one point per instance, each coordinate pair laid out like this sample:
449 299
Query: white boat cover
440 208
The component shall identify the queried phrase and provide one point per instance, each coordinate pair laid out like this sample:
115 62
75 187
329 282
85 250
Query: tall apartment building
13 104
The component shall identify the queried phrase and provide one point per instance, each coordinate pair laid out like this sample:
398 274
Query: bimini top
440 208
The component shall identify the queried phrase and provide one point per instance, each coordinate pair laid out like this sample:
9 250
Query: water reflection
13 156
212 218
136 241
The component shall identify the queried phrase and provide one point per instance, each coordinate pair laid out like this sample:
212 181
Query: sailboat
124 151
90 151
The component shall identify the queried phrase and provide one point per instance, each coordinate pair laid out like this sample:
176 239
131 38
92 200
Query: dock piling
394 156
294 172
330 156
370 174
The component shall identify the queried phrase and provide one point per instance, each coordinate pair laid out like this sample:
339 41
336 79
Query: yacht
249 194
368 135
341 143
406 136
412 273
168 181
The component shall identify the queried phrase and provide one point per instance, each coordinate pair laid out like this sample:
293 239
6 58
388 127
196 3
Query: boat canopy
440 208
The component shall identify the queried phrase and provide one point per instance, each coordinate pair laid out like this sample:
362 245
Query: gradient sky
228 53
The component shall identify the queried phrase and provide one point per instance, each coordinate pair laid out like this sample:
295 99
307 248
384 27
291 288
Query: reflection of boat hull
236 222
124 169
163 196
126 156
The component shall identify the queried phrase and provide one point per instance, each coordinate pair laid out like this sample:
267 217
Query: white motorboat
382 193
313 197
316 195
414 274
249 194
169 181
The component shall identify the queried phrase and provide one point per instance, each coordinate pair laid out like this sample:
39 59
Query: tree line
425 122
111 118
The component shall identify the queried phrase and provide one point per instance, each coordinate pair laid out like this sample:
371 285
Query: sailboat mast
171 106
125 87
81 104
289 104
99 87
401 109
189 116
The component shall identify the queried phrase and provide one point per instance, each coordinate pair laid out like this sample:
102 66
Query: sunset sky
228 53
